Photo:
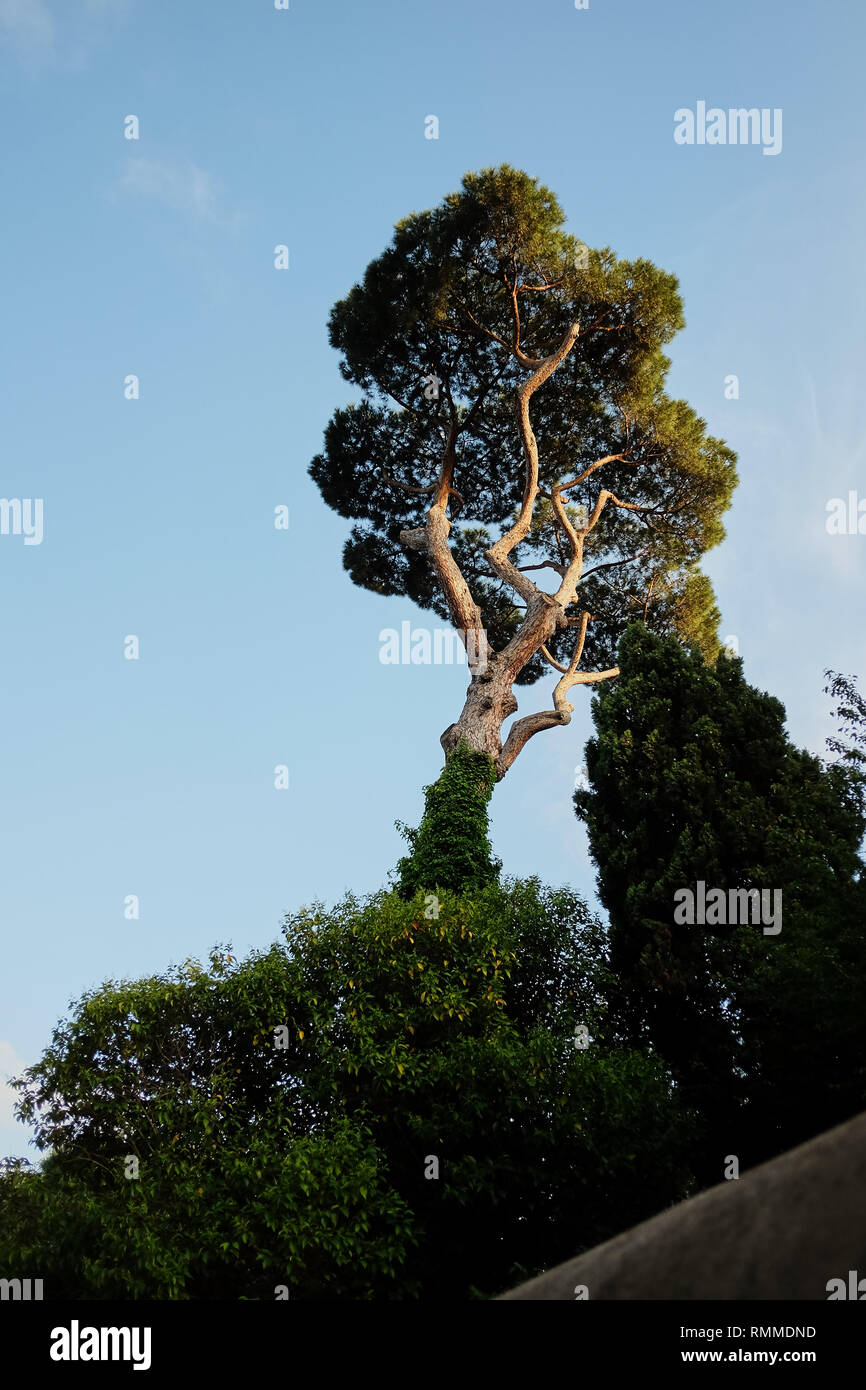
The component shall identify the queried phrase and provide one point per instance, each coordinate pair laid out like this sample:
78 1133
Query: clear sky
155 257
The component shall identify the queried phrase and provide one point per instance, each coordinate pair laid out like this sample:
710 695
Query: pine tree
514 426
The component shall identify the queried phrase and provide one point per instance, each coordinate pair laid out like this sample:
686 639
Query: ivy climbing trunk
451 847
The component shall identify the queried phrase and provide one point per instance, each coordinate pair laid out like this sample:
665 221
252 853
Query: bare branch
481 327
432 540
585 620
498 553
409 487
532 288
532 363
522 731
480 398
608 458
557 664
611 564
605 496
525 729
545 565
591 677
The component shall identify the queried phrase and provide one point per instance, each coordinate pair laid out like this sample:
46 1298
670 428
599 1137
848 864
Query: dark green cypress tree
693 778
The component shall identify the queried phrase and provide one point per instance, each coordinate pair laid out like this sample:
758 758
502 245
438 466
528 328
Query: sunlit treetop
514 463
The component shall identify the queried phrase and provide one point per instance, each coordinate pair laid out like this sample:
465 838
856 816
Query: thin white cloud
52 32
28 25
177 184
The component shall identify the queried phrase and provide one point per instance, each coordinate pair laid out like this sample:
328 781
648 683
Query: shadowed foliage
693 777
285 1112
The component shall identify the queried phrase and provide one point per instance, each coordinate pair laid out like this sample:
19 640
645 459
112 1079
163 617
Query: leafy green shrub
286 1110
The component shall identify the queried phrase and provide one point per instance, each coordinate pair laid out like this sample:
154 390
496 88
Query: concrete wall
781 1231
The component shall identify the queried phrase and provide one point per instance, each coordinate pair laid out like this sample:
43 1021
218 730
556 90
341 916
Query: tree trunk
490 699
489 702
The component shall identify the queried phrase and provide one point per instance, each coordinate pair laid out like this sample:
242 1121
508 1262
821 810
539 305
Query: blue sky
155 257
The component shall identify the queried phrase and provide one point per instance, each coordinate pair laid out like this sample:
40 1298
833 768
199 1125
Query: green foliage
407 1037
236 1191
694 778
438 301
850 745
451 847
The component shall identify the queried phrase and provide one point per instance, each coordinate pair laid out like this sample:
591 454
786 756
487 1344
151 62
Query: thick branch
545 565
605 496
409 487
592 677
552 659
498 553
432 539
585 620
524 729
608 458
567 590
533 363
